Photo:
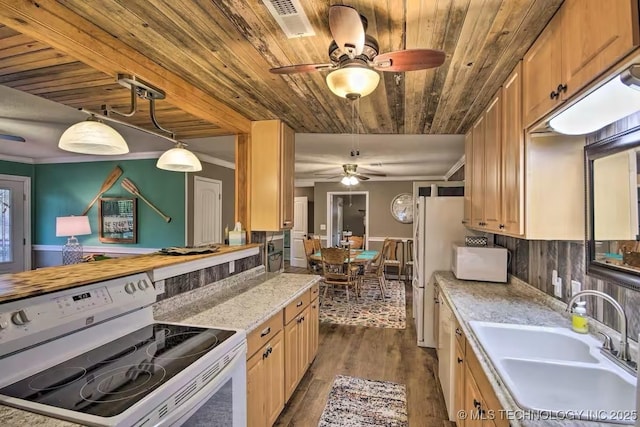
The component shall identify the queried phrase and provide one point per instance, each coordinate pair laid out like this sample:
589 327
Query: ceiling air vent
290 15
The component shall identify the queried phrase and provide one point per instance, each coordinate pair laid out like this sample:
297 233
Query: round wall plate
402 208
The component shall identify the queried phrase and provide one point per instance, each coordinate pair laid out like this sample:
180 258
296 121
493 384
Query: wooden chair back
336 266
356 242
316 244
308 247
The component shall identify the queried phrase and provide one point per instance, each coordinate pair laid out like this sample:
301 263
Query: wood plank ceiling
225 49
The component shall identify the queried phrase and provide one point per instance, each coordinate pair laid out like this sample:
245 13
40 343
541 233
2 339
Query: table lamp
71 226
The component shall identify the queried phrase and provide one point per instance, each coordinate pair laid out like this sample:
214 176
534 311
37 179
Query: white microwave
481 263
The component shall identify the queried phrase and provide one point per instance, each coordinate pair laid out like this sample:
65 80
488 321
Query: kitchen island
259 299
512 303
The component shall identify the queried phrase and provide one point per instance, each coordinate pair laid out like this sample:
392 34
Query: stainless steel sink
558 371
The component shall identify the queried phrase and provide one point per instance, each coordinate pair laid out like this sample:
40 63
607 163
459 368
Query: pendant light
179 159
93 137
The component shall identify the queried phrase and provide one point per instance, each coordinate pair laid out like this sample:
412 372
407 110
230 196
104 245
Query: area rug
370 310
361 402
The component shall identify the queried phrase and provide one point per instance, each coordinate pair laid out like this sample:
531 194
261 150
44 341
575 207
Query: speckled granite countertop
516 303
246 308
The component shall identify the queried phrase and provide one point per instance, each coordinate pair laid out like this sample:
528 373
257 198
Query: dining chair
408 265
356 242
309 249
338 271
317 245
392 256
375 273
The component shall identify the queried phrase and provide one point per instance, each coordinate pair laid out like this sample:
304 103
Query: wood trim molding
50 22
243 191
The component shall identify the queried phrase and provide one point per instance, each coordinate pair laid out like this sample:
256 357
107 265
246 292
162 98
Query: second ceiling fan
355 56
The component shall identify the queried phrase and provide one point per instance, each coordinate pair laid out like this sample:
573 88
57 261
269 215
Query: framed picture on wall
117 218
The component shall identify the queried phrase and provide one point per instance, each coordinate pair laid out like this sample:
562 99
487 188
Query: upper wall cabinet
468 174
546 202
272 175
582 41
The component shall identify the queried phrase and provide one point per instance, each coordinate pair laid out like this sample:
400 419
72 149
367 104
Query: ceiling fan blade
12 137
347 29
409 60
360 177
301 68
374 173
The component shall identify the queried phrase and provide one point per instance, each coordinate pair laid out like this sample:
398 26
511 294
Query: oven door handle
181 414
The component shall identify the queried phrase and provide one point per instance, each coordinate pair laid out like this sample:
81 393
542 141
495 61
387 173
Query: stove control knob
143 285
3 324
130 288
20 318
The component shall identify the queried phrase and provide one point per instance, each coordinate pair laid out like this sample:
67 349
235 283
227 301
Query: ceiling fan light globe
345 180
353 80
179 159
353 180
93 137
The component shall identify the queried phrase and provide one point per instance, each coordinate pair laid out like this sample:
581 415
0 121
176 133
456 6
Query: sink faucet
623 353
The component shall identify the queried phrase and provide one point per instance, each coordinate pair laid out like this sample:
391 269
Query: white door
207 211
14 224
299 232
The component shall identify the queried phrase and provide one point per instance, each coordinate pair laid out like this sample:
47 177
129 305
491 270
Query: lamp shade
179 159
93 137
610 102
72 226
353 80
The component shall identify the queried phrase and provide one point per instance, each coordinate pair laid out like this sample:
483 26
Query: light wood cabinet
582 41
446 356
271 175
459 404
595 35
492 163
477 170
537 175
265 383
314 322
297 359
468 176
512 168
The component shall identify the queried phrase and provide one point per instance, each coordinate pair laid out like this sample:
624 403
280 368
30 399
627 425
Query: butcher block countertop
50 279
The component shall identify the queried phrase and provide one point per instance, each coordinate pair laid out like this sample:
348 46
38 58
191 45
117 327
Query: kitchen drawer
314 292
257 338
296 306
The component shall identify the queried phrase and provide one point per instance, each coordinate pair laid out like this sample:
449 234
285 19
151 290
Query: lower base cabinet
265 383
279 356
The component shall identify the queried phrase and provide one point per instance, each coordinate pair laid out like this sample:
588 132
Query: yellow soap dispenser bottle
579 320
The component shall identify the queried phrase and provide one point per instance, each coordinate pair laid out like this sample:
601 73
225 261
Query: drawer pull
459 360
313 306
315 290
299 304
458 332
265 332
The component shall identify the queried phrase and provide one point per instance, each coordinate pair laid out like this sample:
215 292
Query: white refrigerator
438 223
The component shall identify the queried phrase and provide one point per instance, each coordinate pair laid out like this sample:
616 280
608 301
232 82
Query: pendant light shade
179 159
93 137
349 180
353 81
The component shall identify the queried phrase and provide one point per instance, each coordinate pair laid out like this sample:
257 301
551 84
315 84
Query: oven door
223 402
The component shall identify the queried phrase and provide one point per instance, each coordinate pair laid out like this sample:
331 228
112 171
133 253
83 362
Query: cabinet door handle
501 226
286 223
554 95
464 222
265 332
299 304
459 360
561 88
476 404
313 306
458 332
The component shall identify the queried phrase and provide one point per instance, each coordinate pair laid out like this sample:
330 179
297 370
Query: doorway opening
15 224
347 211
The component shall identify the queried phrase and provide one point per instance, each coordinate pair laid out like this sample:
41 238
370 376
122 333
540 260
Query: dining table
358 256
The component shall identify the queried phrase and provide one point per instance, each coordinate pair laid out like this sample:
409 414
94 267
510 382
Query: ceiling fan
10 137
354 56
350 171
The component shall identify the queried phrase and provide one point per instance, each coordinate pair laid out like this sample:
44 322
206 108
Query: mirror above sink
613 214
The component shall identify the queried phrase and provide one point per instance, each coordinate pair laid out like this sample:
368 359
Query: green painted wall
13 168
66 189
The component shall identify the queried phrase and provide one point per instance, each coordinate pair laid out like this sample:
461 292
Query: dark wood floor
372 353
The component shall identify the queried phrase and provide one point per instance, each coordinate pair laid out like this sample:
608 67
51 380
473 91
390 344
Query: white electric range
94 355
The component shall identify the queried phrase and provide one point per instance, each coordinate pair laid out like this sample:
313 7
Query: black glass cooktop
109 379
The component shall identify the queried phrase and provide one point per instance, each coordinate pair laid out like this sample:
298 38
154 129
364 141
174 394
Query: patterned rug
360 402
370 310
